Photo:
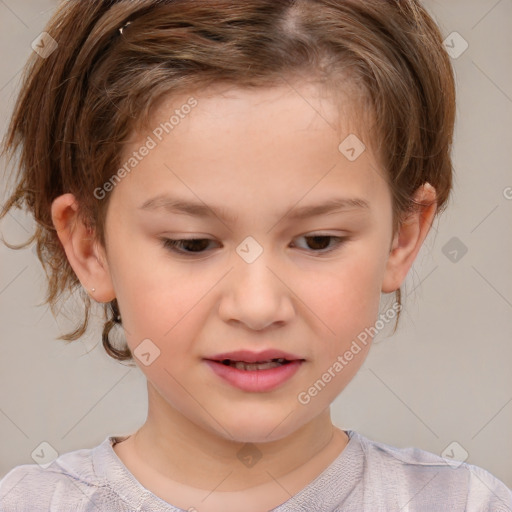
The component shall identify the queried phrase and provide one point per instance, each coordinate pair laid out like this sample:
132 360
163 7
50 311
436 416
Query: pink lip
255 380
248 356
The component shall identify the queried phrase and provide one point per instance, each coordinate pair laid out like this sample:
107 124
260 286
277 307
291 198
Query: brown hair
79 104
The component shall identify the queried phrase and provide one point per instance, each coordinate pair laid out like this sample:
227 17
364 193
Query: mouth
255 372
251 371
255 366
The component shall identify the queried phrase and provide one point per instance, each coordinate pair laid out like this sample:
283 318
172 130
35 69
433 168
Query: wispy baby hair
79 105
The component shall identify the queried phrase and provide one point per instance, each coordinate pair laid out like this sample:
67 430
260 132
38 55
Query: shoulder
431 480
67 483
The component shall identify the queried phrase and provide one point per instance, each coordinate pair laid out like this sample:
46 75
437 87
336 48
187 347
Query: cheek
165 311
153 292
346 301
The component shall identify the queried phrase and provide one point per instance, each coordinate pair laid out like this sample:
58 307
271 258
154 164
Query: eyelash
173 245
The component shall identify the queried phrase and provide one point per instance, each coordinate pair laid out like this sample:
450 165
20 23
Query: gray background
445 375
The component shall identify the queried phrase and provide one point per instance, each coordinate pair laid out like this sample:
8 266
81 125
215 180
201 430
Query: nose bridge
253 264
256 296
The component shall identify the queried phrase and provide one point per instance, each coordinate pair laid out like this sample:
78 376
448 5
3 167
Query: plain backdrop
442 382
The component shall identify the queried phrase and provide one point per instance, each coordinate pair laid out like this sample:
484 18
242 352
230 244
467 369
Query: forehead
340 107
278 144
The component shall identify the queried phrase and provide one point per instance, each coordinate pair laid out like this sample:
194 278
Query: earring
93 290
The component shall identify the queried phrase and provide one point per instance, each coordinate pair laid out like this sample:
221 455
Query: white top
366 476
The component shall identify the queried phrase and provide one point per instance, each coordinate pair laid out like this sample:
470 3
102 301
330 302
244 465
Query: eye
193 245
319 243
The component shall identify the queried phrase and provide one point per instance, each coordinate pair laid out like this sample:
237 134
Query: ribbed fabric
366 476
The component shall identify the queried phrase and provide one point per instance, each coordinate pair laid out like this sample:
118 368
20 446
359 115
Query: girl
306 145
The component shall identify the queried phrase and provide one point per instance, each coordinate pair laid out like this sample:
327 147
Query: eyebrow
199 209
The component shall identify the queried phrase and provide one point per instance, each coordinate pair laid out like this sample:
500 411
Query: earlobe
409 239
81 248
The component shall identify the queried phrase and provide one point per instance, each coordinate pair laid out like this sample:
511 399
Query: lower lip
255 380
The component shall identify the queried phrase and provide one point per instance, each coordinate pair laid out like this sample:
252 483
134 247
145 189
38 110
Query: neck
184 452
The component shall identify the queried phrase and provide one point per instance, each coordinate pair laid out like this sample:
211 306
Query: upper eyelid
343 233
173 242
305 235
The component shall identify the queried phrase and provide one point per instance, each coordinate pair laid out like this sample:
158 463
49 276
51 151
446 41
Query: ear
84 253
409 239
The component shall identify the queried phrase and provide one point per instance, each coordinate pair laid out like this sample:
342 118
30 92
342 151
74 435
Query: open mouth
263 365
255 376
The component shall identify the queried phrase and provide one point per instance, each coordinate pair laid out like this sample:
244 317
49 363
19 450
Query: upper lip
249 356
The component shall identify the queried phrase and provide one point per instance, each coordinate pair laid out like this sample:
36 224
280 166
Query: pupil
202 242
320 237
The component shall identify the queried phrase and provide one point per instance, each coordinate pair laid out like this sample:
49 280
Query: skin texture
258 154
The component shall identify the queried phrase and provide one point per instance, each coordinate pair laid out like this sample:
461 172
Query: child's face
259 156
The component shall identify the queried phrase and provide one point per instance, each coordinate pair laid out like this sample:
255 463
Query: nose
257 293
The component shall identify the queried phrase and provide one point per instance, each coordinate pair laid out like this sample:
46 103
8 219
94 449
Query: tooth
240 365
